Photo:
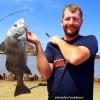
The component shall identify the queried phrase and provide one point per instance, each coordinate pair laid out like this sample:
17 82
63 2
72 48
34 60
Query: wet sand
7 89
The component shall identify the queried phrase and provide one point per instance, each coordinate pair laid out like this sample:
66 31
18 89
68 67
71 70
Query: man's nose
71 21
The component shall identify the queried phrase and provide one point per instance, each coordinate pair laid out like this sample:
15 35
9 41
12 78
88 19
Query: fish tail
21 89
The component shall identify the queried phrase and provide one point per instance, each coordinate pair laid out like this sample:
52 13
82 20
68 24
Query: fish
14 46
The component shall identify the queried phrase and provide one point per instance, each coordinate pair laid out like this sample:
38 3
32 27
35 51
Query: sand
38 93
7 89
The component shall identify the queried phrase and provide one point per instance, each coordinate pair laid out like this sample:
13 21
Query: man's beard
73 34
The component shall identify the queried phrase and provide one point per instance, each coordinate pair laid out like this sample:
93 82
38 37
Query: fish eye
15 25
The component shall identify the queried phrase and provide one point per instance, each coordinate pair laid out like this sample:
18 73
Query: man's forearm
69 52
72 54
42 63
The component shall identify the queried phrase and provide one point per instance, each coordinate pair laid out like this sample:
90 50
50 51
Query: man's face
71 23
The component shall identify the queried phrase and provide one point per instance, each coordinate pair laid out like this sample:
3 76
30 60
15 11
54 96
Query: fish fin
22 89
7 65
2 46
27 70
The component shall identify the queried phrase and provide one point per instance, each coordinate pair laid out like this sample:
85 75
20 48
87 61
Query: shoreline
26 77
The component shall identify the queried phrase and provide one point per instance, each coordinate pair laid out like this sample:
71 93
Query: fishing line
11 14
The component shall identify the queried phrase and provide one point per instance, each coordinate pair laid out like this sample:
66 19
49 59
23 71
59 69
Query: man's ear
61 22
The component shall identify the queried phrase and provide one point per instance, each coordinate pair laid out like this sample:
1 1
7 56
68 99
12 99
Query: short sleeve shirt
69 80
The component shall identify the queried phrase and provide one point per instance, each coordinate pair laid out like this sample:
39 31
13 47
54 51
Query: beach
7 89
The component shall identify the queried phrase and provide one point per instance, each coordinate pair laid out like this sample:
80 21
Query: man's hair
72 8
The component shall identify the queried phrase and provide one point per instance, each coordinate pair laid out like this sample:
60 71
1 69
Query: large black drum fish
14 46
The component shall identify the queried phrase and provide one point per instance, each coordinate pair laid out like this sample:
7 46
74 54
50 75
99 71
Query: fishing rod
18 11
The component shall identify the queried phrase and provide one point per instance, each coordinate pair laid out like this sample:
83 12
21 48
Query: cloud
45 3
20 1
16 1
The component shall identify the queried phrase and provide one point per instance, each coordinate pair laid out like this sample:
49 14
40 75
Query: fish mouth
17 35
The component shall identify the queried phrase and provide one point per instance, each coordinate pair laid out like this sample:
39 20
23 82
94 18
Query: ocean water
31 62
97 68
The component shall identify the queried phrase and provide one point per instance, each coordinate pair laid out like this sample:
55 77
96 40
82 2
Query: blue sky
45 15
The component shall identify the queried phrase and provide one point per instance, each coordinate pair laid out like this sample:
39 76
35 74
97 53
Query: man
68 63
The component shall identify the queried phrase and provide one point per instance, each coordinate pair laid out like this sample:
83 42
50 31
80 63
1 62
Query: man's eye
75 19
15 25
67 19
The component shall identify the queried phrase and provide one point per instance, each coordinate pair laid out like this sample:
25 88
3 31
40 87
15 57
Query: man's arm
45 68
72 54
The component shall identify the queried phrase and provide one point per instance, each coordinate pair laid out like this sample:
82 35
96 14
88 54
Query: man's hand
32 38
55 40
